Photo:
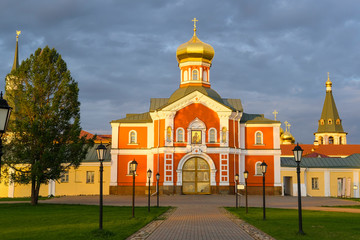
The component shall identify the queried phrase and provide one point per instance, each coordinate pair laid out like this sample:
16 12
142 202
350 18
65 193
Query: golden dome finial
195 20
328 83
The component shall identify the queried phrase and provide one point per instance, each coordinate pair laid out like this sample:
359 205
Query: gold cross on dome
195 20
275 113
286 125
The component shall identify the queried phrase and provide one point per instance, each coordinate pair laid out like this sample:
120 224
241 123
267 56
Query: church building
195 139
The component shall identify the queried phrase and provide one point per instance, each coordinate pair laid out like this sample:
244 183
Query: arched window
331 140
321 140
322 122
223 135
340 142
180 135
132 137
212 135
329 121
338 121
195 74
258 168
258 137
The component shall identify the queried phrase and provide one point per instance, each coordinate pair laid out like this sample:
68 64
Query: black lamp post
149 172
298 151
133 167
101 150
236 190
5 111
246 175
263 166
158 189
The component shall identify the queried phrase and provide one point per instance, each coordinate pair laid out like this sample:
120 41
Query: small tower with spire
330 130
11 81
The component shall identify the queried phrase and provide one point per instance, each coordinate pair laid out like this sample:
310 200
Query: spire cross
17 34
195 20
289 125
286 125
275 113
328 76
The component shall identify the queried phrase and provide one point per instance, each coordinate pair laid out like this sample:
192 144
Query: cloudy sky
270 54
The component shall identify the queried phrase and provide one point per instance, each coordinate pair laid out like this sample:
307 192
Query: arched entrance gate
196 176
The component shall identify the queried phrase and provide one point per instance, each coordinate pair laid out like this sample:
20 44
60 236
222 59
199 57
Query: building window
315 183
212 135
340 141
258 169
329 121
90 176
132 137
64 177
322 122
258 138
195 74
338 121
321 140
180 135
331 140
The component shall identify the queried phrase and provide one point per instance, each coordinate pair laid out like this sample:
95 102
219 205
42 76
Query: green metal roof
235 104
352 161
156 103
92 155
330 112
135 118
255 119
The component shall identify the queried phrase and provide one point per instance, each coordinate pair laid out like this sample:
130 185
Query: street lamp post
149 172
158 189
298 151
5 111
246 175
263 166
133 167
236 190
101 150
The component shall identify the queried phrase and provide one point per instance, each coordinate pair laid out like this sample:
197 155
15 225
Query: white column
114 155
327 183
356 183
277 174
51 190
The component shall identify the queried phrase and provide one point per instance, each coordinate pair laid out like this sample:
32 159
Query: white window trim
132 131
177 135
256 173
262 138
215 135
87 177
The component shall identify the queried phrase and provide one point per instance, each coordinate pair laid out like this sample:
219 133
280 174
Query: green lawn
50 221
283 223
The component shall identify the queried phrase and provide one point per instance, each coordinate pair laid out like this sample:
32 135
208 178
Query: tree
44 139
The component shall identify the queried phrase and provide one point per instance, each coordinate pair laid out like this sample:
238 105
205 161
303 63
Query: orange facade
267 134
124 136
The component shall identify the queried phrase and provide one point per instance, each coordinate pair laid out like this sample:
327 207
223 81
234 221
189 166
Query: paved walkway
200 217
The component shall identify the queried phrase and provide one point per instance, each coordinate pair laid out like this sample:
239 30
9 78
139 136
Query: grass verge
53 221
283 223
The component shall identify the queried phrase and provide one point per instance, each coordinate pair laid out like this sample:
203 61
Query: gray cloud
270 54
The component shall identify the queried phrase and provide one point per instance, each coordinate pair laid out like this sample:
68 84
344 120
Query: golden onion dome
287 136
195 50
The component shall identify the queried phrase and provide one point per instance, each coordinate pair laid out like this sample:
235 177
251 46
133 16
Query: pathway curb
145 232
